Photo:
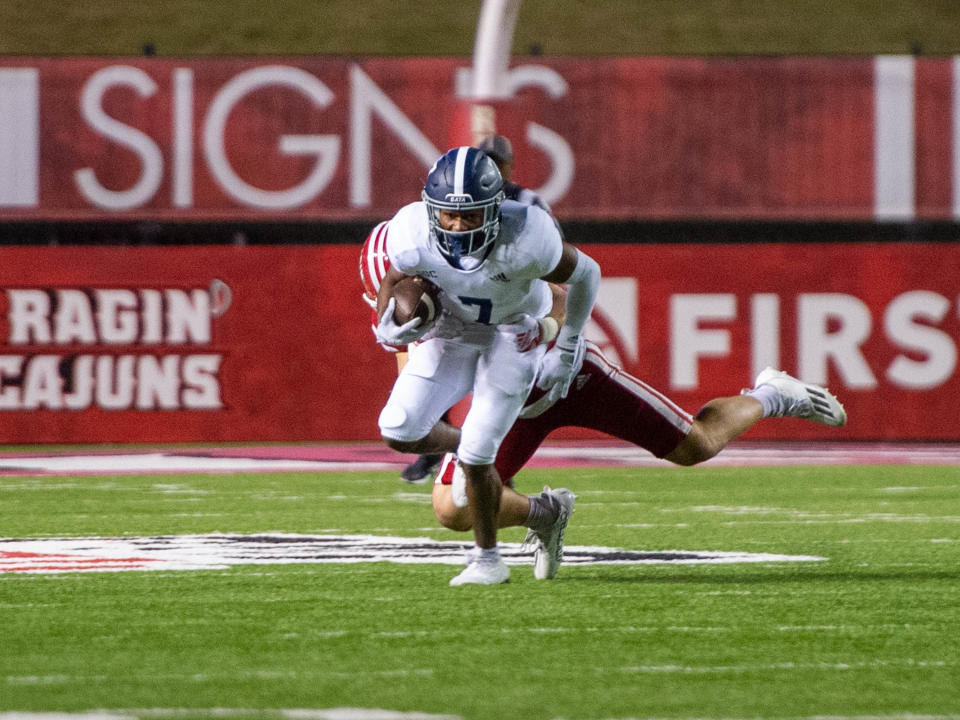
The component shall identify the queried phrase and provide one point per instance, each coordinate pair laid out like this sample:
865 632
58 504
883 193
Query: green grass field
871 630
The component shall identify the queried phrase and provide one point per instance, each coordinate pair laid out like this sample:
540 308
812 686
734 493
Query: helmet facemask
465 249
462 180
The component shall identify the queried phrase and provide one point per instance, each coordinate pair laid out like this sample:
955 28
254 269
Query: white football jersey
505 286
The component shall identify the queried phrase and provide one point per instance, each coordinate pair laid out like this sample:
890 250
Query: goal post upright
491 59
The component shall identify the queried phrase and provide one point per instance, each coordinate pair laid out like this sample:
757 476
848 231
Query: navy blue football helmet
464 179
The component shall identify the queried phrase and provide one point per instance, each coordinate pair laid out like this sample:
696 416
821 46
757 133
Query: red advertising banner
194 344
878 324
201 343
598 138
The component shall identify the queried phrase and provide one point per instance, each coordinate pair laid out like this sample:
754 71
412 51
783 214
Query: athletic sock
543 512
489 554
770 398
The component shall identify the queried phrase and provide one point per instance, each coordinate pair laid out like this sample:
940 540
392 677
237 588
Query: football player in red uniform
605 398
500 150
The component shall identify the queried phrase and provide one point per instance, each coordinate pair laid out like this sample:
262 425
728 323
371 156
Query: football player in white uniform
492 259
500 150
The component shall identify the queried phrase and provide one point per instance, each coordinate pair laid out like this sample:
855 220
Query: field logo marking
219 551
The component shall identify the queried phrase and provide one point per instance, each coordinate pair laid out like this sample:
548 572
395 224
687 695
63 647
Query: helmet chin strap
450 243
456 247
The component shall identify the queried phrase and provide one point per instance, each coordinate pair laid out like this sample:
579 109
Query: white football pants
440 372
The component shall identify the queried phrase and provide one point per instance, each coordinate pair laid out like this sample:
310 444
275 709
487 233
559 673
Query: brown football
415 297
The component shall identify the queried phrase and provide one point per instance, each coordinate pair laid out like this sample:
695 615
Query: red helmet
374 262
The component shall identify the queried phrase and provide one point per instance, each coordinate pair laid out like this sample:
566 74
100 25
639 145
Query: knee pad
393 419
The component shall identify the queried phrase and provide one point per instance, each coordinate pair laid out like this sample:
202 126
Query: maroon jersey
602 397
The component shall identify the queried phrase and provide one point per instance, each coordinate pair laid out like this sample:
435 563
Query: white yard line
218 713
373 714
376 457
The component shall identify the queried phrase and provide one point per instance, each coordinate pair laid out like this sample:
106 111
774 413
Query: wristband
548 330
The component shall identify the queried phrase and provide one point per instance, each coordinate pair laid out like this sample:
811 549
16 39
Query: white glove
537 407
389 333
446 326
558 369
529 332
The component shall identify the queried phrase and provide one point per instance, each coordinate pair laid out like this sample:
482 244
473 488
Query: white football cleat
482 572
548 553
804 400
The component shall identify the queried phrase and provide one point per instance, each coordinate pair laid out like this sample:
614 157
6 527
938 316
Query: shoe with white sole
804 400
421 469
548 545
482 572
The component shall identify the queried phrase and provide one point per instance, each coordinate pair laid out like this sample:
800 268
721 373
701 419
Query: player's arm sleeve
401 246
581 274
548 254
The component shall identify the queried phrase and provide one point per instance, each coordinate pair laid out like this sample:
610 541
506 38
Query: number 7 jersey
505 286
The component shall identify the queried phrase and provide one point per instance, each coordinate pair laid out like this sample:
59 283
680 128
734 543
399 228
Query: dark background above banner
303 232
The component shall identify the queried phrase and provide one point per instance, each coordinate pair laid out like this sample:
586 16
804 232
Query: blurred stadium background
762 183
184 188
434 27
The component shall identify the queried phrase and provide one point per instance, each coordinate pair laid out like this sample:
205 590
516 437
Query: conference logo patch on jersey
222 551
